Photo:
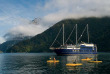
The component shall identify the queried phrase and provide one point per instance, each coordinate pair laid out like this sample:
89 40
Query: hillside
6 45
99 29
9 43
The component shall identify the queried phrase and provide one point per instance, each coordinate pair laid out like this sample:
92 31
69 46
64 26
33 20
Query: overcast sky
16 15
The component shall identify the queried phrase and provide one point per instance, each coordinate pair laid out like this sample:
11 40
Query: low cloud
2 40
75 9
26 28
53 11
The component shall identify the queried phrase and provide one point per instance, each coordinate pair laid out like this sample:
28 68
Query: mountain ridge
11 42
98 28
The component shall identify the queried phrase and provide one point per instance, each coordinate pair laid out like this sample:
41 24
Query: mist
53 11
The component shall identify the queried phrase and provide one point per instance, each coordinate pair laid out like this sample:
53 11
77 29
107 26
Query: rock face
99 30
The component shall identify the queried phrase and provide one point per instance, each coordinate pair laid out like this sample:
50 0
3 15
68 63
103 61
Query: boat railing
52 48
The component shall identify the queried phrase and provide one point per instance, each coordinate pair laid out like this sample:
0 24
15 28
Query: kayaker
54 59
87 58
74 61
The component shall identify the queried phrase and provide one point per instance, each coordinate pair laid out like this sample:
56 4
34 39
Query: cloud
2 40
26 28
57 10
50 12
3 18
63 9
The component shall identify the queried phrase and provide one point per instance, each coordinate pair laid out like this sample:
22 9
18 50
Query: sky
16 15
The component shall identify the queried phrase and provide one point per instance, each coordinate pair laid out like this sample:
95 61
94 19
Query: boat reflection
85 67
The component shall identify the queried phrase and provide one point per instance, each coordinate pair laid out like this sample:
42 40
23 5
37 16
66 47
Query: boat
73 64
78 48
95 61
52 61
87 59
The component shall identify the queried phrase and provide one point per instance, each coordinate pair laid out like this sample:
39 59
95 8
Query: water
35 63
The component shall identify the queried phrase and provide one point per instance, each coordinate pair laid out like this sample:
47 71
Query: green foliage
6 45
99 29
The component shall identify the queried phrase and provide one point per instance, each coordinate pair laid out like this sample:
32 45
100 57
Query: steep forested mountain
99 30
9 43
6 45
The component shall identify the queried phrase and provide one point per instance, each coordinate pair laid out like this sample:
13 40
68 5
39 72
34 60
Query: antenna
88 32
76 34
63 34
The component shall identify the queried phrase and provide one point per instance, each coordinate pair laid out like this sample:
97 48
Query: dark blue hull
74 51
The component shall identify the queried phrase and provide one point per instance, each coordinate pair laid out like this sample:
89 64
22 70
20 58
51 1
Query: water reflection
36 63
86 67
22 64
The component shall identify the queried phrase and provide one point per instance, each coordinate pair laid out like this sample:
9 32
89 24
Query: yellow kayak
95 61
52 60
72 64
88 59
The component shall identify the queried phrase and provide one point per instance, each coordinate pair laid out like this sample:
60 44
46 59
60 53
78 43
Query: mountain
9 43
99 30
6 45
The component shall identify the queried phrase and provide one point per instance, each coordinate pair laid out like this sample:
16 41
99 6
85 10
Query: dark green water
35 63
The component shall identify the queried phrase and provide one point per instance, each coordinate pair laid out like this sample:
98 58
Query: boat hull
74 51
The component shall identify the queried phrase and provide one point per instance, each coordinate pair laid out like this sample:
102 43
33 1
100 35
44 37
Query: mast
63 34
88 32
76 34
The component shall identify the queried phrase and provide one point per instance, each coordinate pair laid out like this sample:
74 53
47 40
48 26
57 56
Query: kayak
86 59
72 64
95 61
52 60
